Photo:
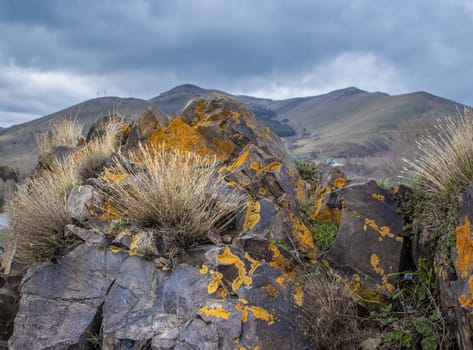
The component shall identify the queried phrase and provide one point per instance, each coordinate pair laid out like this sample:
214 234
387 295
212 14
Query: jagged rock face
456 282
243 294
231 299
369 247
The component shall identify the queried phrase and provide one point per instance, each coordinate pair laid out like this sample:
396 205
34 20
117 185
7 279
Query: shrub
324 234
443 168
95 154
38 213
330 312
180 194
64 132
444 160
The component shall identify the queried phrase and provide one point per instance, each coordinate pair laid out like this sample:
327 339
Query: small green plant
94 340
118 226
307 170
386 183
324 234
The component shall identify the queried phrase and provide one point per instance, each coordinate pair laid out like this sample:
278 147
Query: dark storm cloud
55 53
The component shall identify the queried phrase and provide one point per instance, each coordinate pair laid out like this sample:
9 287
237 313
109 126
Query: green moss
324 234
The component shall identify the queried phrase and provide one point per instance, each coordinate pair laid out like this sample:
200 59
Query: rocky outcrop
240 291
370 246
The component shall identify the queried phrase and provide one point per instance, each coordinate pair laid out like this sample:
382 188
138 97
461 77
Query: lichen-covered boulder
232 298
369 247
141 128
456 280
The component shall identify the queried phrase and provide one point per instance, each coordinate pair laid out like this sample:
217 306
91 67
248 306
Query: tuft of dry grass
95 154
64 132
444 159
180 194
330 312
38 213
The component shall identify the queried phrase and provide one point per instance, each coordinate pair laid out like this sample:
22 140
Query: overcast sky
57 53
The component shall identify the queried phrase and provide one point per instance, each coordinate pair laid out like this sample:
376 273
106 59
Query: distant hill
347 122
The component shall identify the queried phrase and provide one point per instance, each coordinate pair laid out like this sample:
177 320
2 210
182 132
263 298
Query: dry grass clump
38 213
95 154
444 160
180 194
443 169
64 132
330 313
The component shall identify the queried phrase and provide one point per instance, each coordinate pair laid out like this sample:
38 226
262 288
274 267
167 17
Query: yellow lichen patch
378 197
340 182
236 117
273 167
180 136
261 314
254 264
281 281
375 263
278 261
226 146
109 212
302 235
215 283
328 215
134 246
245 182
270 290
200 109
262 191
204 269
321 193
115 249
227 257
464 300
384 231
253 214
464 246
114 177
244 312
239 162
217 311
298 294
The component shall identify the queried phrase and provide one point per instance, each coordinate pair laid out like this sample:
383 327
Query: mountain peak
185 89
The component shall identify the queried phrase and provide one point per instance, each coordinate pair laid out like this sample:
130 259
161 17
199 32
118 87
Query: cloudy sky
56 53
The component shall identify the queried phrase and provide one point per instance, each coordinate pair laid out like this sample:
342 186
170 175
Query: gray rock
88 236
84 203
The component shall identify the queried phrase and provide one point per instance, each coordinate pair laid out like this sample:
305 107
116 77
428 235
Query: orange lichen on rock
277 260
109 212
378 197
321 193
215 283
240 161
217 311
261 314
375 263
328 215
464 300
340 182
204 269
228 258
302 235
384 231
270 290
253 214
180 136
113 177
464 247
200 109
298 294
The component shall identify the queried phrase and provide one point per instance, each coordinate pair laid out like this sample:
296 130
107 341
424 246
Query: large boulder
370 246
231 299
